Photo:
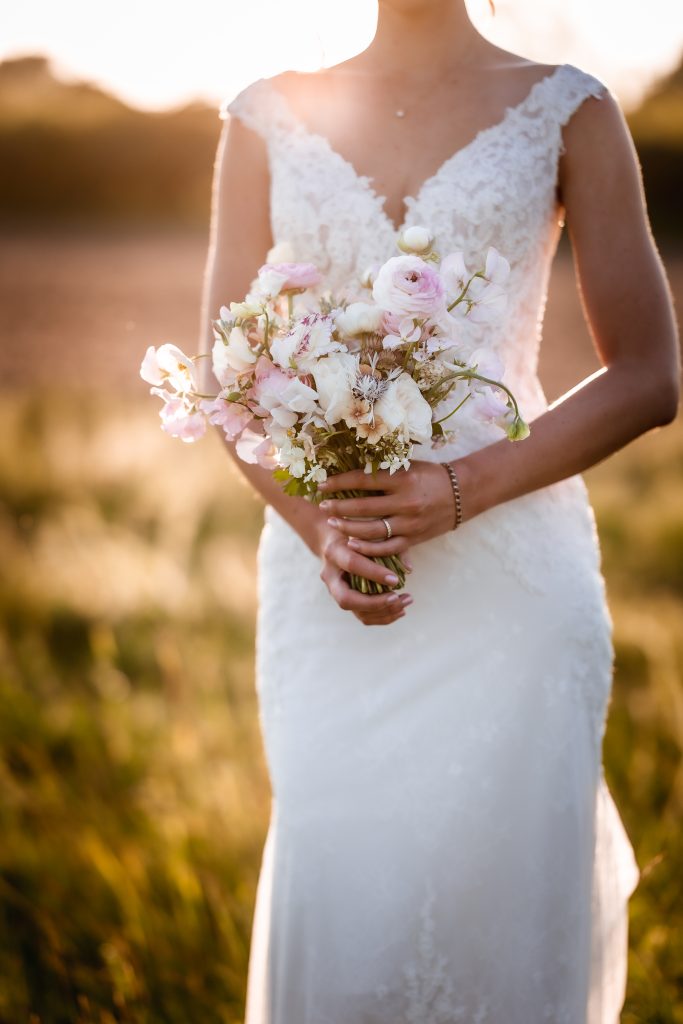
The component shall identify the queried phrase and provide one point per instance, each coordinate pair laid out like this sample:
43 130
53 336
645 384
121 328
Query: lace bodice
499 189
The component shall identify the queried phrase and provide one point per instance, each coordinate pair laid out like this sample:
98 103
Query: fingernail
353 542
324 505
391 579
392 599
333 522
407 600
408 565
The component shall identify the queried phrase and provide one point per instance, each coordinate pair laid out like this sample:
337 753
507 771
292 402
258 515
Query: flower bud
416 240
518 429
368 278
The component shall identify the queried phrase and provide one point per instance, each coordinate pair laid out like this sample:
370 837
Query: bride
442 845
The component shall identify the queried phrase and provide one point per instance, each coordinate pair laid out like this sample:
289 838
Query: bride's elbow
665 396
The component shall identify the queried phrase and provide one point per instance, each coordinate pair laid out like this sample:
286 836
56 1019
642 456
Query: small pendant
400 113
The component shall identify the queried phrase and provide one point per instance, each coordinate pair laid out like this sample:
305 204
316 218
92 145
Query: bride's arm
629 312
239 240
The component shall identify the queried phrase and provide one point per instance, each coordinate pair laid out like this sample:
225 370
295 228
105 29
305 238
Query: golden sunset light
155 55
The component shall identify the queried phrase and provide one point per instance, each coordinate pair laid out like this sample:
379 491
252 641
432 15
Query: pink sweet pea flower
255 448
178 418
407 286
231 416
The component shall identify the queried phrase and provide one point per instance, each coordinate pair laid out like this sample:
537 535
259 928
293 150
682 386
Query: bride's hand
417 503
337 560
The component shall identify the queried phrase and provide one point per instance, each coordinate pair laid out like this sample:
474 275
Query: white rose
334 377
416 239
359 318
403 407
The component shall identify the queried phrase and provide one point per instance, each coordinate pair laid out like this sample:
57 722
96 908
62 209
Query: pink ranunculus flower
231 416
296 275
407 286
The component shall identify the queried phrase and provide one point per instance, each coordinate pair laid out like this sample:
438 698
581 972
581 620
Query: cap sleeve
249 106
574 87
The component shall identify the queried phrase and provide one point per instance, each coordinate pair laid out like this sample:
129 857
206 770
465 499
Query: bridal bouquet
314 386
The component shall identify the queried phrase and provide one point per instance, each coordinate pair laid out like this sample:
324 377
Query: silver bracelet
456 493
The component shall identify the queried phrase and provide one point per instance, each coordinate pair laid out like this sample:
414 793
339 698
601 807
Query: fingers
358 480
373 548
373 608
397 612
369 529
377 505
338 552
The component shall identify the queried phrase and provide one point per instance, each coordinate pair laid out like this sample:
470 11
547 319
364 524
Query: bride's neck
420 37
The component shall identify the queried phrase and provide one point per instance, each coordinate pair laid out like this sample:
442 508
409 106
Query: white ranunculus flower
416 239
359 318
403 407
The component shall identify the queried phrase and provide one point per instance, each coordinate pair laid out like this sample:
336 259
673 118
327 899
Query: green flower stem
472 375
463 293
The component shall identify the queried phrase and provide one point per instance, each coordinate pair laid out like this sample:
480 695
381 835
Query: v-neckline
368 182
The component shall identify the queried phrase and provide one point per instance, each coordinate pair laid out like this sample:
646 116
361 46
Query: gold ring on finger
387 527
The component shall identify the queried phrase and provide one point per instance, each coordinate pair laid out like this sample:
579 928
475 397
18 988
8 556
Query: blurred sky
156 54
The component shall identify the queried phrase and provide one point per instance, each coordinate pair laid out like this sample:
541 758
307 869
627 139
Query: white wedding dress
443 848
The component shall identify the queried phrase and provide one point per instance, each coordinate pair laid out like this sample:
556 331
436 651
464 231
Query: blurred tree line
70 152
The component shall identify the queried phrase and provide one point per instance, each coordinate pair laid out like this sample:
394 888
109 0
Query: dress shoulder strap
260 107
567 91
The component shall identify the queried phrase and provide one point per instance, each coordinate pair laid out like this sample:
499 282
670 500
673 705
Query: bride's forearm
304 517
597 417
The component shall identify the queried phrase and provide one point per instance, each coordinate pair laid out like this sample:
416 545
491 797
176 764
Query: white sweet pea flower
359 318
488 304
242 310
168 365
407 332
487 363
454 272
416 239
235 357
497 268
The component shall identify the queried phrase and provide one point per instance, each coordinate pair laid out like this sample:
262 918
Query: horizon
629 53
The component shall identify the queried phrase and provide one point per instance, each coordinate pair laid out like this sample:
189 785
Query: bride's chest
499 189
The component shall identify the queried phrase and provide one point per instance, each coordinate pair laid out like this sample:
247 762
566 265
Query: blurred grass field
134 790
